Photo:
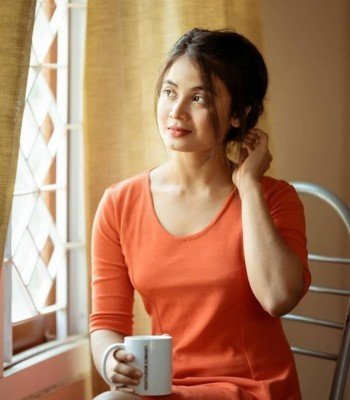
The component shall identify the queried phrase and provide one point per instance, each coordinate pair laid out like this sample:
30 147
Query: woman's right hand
122 373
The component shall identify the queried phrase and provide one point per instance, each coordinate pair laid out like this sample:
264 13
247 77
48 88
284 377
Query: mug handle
109 349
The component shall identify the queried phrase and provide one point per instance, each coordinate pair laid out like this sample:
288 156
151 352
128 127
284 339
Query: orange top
196 289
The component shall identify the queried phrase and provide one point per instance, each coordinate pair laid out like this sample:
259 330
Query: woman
216 249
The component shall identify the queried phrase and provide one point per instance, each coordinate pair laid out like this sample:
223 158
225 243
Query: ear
235 122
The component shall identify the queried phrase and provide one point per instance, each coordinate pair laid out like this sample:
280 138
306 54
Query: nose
178 110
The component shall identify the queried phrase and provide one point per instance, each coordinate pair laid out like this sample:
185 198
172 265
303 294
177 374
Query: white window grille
43 239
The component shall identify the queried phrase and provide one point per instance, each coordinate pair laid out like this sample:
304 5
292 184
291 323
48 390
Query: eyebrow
204 88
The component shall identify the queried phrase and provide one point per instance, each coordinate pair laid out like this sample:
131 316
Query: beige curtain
125 45
16 26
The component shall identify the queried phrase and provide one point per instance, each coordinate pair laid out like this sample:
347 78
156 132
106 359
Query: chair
343 356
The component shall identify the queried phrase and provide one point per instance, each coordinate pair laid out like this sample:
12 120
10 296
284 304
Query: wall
76 390
307 49
62 372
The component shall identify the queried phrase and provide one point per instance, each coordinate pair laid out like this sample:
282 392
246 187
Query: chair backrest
342 358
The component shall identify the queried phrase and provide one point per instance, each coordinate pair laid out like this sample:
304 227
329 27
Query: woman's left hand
255 159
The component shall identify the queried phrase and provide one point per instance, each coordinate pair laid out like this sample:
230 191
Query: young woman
216 249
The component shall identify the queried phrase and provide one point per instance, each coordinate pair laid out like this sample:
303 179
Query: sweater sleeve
287 212
112 291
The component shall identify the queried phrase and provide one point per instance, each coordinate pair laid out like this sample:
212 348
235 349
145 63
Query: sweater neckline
195 235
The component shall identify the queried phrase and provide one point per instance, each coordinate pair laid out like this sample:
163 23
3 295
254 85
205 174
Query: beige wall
77 390
307 49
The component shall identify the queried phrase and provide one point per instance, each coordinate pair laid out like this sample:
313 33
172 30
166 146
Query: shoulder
277 191
124 198
272 186
132 185
125 192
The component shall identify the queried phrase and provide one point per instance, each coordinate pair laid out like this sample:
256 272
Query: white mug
153 356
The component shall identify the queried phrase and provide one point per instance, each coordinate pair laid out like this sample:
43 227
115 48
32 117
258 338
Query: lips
176 131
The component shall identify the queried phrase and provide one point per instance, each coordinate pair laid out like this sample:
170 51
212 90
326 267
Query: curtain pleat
16 26
126 43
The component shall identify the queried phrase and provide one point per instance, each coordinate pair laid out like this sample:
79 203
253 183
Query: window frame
38 328
72 343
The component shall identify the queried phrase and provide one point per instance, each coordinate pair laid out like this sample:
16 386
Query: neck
197 173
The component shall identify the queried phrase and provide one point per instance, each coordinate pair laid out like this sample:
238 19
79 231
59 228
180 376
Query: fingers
124 373
256 139
127 370
253 138
258 133
123 356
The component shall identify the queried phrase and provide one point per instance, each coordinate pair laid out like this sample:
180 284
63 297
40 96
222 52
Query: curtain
16 26
126 43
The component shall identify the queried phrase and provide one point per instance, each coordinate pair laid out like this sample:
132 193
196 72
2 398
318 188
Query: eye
199 99
168 92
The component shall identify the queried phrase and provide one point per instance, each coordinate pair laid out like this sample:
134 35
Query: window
45 243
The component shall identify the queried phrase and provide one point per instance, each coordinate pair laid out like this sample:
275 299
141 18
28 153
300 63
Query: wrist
248 185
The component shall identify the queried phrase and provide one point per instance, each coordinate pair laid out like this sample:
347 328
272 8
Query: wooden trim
47 370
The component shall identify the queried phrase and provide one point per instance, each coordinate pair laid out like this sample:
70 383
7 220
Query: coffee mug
153 356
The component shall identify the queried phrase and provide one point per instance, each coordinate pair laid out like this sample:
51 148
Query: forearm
100 340
275 273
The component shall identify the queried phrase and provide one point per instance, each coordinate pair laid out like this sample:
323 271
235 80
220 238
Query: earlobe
235 122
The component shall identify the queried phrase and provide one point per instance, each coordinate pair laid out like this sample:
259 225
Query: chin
175 147
184 149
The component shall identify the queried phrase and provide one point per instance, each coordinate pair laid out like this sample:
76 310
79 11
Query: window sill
47 369
33 355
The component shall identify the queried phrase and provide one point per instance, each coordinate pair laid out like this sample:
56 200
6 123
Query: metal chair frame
342 358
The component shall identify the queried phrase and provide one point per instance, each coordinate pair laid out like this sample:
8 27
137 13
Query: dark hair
237 63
